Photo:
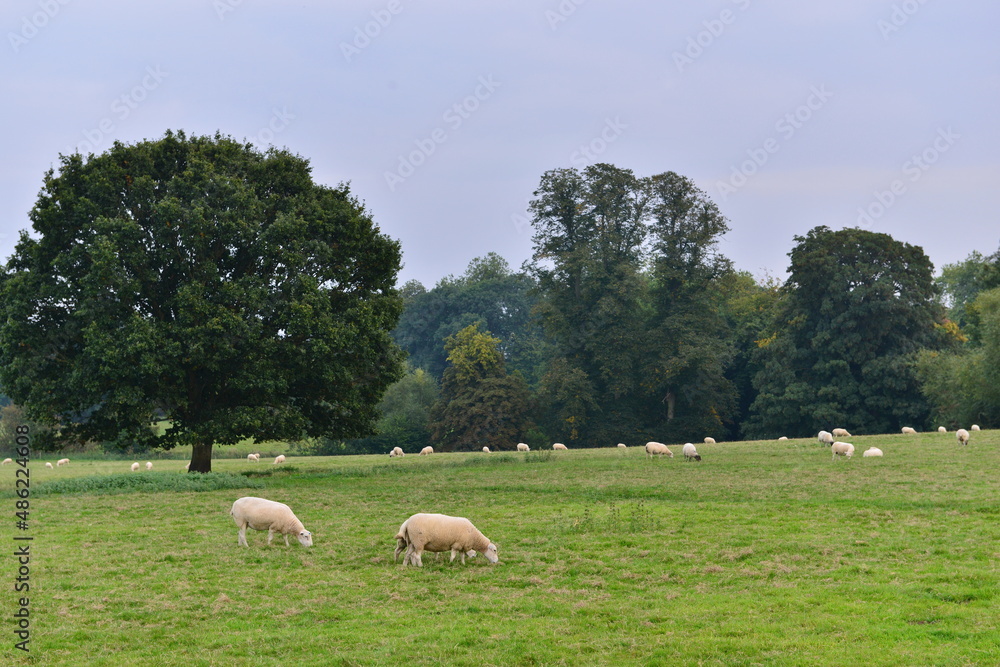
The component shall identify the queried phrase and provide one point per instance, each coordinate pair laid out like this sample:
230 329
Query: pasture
764 553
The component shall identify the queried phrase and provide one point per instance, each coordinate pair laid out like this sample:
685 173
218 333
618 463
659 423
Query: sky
444 115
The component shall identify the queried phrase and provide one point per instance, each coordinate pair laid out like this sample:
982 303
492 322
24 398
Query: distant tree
405 410
480 404
855 310
199 281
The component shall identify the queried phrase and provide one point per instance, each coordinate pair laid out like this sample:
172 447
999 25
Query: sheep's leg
270 536
242 541
286 539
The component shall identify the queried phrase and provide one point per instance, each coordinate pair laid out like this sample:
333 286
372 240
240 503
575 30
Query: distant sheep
844 449
558 446
135 467
974 427
48 465
825 437
841 433
908 431
486 450
522 447
253 457
690 452
439 532
396 451
784 437
621 445
709 441
426 450
149 465
262 514
61 462
280 458
963 436
942 429
658 449
6 461
872 451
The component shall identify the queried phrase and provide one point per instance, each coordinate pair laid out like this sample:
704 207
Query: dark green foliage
405 412
856 308
201 281
145 482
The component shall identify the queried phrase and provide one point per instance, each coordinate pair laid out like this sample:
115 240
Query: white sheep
872 451
402 544
149 465
908 431
844 449
486 450
61 462
690 452
963 436
253 457
6 461
558 445
280 458
48 465
426 450
396 451
261 514
974 427
621 445
658 449
135 467
440 532
523 447
841 433
709 441
825 437
942 429
784 437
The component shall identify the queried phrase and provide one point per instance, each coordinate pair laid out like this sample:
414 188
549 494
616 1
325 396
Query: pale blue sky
445 114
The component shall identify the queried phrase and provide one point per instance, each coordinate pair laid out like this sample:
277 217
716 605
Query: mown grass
763 553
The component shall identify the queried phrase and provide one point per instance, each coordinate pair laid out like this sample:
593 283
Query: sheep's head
305 538
491 553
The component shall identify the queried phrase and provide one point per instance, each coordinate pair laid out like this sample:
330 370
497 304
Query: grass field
765 553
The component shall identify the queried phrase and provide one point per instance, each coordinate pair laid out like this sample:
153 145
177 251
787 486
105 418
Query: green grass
764 553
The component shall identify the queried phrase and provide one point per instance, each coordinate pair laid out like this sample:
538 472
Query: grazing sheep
942 429
841 433
253 457
280 458
6 461
439 532
709 441
872 451
48 465
135 467
522 447
558 445
974 427
621 445
149 465
784 437
261 514
908 431
402 544
659 449
426 450
690 452
61 462
825 438
963 436
396 451
486 450
844 449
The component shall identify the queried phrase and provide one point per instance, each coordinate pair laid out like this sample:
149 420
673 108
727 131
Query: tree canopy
199 281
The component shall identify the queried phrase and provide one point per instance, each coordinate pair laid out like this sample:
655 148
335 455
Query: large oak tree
203 282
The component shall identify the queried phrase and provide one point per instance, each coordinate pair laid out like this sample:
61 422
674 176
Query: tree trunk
201 458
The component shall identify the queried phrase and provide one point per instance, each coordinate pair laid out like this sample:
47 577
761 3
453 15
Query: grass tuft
149 482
